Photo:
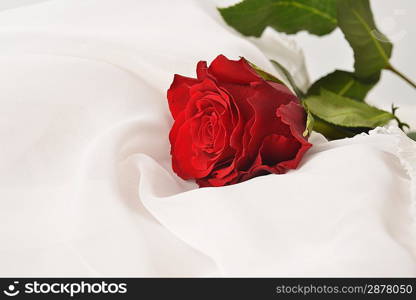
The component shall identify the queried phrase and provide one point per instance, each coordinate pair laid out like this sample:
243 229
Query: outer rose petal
283 90
242 136
178 94
265 102
294 116
278 148
224 176
234 71
173 134
201 70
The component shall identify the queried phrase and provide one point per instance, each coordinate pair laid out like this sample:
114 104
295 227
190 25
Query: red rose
232 125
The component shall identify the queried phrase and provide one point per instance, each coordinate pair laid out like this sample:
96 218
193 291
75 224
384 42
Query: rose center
207 131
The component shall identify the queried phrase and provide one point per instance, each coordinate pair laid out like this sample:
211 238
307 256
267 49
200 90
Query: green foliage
345 112
251 17
342 83
372 49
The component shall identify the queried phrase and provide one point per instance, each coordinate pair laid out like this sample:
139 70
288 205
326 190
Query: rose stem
401 75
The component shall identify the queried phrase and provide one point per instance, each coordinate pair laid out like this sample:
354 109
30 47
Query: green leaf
251 17
345 112
412 135
330 131
342 83
372 50
289 78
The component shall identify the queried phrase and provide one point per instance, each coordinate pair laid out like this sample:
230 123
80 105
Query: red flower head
232 125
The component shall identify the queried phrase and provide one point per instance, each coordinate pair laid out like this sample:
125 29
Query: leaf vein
368 29
346 87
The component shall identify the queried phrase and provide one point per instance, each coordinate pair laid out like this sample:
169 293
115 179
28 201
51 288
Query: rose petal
178 94
277 148
234 71
264 103
173 134
201 70
294 115
183 152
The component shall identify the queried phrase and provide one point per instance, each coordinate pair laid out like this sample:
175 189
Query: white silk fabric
86 185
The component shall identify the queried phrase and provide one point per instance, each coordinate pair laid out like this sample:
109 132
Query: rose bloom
232 125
